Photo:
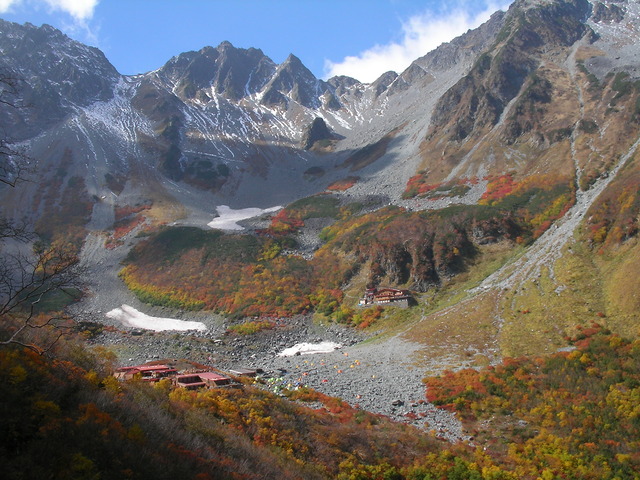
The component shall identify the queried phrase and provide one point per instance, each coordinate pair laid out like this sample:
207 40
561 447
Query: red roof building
385 296
190 381
148 373
214 379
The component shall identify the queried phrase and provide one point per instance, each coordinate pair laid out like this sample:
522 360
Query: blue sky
359 38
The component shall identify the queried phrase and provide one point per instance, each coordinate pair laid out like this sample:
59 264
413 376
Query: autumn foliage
613 218
418 187
573 414
235 274
537 200
288 220
68 418
127 219
343 184
248 275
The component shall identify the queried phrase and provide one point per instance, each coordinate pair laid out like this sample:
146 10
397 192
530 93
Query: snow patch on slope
131 317
309 349
228 217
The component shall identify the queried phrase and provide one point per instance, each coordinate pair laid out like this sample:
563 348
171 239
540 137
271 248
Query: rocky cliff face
529 88
226 71
479 99
55 74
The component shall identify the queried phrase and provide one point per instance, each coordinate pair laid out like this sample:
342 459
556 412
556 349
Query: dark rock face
410 76
607 13
317 131
55 73
156 103
383 82
293 81
478 99
229 71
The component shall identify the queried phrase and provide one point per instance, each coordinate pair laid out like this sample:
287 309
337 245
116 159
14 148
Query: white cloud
420 34
80 10
5 5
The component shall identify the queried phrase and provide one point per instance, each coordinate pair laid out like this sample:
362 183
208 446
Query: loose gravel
376 375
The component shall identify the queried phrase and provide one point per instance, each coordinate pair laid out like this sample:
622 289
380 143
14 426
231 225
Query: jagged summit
293 81
56 73
237 108
228 71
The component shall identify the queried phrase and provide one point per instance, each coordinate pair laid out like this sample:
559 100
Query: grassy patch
57 300
542 313
455 329
251 327
316 206
621 285
457 336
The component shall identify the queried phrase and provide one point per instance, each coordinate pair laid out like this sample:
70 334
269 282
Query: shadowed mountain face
56 74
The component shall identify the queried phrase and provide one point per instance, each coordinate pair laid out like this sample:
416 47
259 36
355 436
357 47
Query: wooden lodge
214 379
385 296
193 381
189 381
155 373
147 373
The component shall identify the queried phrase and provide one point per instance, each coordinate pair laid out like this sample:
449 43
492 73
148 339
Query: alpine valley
434 274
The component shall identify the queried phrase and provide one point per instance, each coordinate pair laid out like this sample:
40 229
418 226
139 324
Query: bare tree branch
15 230
27 324
26 278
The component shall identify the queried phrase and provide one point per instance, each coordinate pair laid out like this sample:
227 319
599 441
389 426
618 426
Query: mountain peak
225 44
230 71
292 80
293 60
60 73
383 82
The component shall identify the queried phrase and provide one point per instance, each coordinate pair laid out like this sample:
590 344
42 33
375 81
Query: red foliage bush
342 185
